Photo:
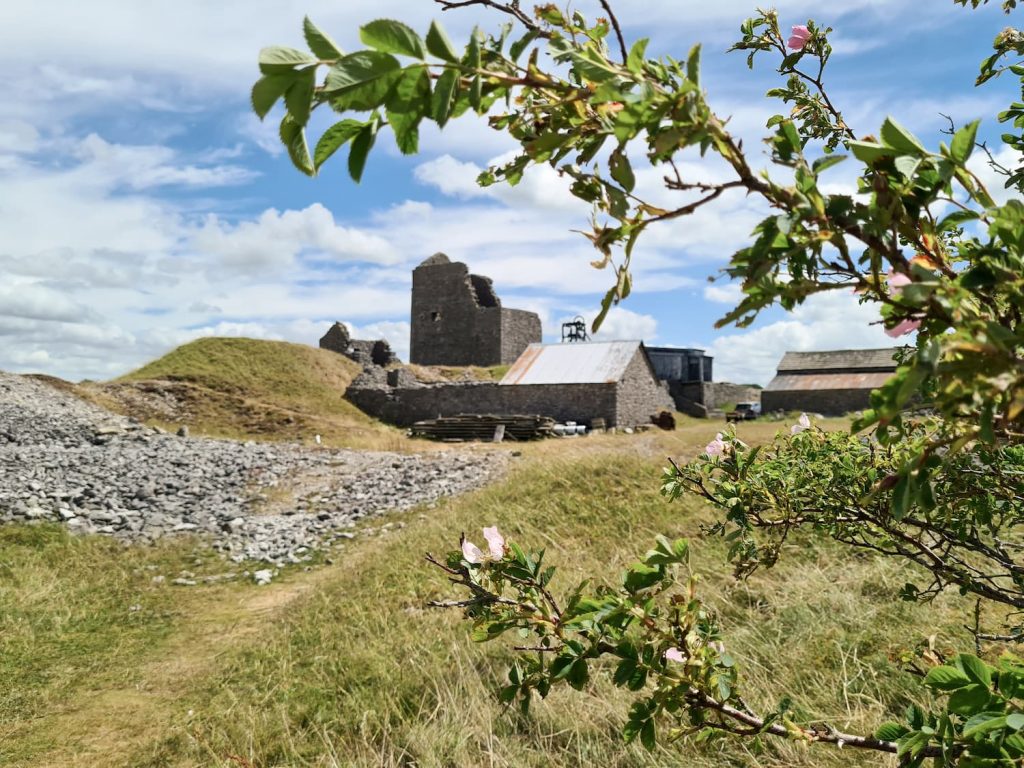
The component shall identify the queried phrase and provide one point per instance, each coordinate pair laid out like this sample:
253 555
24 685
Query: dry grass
344 666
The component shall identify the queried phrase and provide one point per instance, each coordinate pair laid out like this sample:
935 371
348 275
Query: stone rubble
67 461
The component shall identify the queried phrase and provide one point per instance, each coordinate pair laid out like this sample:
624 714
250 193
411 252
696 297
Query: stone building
609 382
687 372
366 353
830 383
612 380
457 318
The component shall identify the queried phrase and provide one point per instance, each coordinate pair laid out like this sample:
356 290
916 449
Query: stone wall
367 353
457 318
828 402
405 405
709 396
639 395
519 329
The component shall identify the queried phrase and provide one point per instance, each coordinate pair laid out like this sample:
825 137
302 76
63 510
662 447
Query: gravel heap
65 460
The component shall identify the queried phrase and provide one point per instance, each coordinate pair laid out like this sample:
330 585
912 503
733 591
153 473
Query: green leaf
869 152
439 44
361 146
389 36
907 165
444 96
955 219
969 700
294 139
362 80
407 104
635 60
621 170
516 49
983 723
899 138
577 675
277 59
334 138
890 731
976 669
1015 721
268 89
693 65
647 735
824 163
299 96
472 60
946 678
962 146
639 577
319 43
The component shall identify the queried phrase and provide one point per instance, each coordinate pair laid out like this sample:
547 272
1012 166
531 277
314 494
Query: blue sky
143 205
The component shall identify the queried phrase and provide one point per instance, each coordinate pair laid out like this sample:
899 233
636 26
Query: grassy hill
343 665
248 388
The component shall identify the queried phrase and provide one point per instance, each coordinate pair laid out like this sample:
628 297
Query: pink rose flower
716 447
798 37
471 552
802 423
897 280
903 328
674 654
495 542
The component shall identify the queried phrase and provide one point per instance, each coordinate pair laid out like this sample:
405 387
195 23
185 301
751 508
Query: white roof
591 362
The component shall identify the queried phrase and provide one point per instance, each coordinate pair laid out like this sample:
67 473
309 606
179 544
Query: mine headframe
575 330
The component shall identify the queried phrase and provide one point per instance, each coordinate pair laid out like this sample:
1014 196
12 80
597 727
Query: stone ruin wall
457 319
519 329
367 353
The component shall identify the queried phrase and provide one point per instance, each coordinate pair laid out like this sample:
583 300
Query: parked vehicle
744 412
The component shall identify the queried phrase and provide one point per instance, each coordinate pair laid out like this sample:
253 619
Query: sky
143 205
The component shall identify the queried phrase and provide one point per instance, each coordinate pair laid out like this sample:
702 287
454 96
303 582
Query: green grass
344 666
254 389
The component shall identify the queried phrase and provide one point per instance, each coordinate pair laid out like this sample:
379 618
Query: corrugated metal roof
840 360
826 381
593 362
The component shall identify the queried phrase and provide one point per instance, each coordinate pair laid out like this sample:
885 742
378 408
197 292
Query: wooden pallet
484 427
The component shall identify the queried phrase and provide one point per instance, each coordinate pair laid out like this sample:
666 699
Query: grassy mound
249 388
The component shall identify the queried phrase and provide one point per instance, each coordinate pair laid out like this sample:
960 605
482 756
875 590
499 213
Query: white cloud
832 320
729 293
36 302
277 239
619 324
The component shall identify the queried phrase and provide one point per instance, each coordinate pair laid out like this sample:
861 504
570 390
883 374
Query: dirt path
111 726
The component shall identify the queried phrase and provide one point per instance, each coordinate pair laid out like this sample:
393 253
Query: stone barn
457 318
610 380
610 384
830 383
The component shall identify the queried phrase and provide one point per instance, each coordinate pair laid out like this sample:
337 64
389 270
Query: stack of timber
476 427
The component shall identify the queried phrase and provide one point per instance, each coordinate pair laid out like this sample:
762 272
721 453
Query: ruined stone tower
457 319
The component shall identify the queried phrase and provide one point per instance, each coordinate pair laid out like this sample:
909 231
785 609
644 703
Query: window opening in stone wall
435 316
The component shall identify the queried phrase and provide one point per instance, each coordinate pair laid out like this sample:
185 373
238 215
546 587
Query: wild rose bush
932 474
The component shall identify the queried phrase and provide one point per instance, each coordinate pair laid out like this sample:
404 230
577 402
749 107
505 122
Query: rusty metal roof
840 360
803 382
593 362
